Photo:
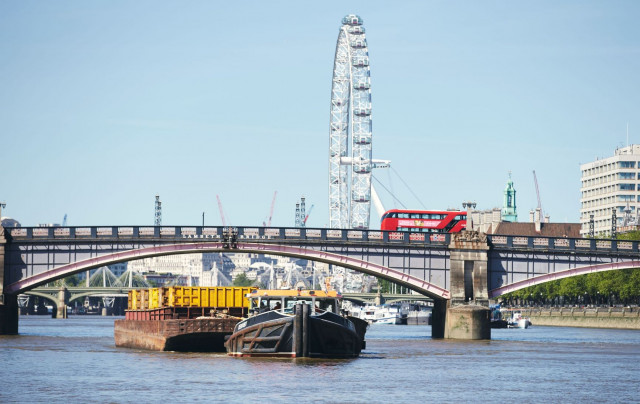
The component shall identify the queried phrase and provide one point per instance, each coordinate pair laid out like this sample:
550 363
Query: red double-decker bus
424 221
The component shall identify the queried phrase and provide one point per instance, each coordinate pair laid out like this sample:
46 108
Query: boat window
293 301
275 304
325 305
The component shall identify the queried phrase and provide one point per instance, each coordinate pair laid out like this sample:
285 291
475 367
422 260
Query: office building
609 192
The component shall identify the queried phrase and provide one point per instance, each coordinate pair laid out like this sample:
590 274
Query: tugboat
296 324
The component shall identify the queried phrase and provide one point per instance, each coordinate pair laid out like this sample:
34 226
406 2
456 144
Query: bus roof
426 211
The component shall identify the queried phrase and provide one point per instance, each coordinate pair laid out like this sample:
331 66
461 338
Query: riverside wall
615 317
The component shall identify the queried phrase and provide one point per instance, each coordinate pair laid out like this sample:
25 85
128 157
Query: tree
242 280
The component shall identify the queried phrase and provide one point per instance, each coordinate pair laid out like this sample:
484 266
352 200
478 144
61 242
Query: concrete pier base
468 322
9 315
63 300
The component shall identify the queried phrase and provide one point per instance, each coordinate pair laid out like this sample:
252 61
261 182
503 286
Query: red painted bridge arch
588 269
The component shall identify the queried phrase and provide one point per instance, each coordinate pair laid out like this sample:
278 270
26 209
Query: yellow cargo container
131 300
187 296
155 298
138 299
182 296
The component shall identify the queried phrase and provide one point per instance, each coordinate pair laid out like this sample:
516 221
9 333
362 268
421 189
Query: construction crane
64 221
273 203
535 180
224 222
158 214
301 216
304 222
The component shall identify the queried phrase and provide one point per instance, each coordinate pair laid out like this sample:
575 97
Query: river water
75 360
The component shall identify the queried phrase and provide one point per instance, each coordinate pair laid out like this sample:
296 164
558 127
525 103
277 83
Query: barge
188 319
296 324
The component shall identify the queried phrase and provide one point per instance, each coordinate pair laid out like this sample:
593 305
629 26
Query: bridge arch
411 282
588 269
53 299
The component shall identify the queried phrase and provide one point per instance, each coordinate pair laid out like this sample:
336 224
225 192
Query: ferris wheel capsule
359 43
351 19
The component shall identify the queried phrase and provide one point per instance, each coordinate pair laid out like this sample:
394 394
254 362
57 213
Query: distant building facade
9 222
610 192
505 221
487 220
537 227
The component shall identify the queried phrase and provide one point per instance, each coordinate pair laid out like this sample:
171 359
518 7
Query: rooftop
571 230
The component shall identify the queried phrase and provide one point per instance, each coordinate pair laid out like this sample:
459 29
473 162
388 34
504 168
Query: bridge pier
467 313
8 303
63 301
9 311
438 317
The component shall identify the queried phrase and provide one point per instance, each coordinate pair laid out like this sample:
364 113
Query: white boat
384 314
517 321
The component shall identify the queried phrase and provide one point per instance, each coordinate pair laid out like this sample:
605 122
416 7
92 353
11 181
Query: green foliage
386 286
631 235
73 280
242 280
621 286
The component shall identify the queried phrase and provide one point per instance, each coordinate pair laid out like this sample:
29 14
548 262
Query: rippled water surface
75 360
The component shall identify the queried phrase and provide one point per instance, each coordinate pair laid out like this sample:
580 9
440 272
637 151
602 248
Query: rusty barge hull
183 335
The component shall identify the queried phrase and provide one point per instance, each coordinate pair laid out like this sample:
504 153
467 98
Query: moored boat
296 324
506 318
518 321
180 318
383 314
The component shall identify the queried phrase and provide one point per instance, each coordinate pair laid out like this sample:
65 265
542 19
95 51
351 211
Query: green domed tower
509 212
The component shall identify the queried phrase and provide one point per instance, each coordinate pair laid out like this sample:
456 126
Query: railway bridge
460 272
61 296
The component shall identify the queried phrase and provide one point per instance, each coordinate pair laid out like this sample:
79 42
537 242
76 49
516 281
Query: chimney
537 219
531 216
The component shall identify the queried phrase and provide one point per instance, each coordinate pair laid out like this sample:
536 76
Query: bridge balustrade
218 233
312 234
568 244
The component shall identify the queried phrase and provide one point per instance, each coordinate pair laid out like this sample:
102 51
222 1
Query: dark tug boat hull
301 335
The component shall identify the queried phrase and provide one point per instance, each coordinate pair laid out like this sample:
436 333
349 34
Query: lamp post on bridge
469 206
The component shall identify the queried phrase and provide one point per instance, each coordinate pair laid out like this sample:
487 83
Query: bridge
455 270
61 296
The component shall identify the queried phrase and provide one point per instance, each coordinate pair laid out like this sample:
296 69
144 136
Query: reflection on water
75 360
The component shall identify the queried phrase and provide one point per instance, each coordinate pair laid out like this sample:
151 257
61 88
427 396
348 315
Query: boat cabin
261 301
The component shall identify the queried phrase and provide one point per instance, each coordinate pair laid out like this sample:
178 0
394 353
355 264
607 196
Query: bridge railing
563 243
219 233
274 234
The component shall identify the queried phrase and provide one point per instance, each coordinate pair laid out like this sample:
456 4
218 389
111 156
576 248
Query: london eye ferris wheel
350 139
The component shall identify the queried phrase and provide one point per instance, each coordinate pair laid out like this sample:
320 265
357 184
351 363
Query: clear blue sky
105 104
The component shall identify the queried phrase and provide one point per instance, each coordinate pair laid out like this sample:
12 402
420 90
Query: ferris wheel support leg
377 202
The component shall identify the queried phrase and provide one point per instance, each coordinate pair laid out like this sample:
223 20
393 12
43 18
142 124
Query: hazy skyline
103 105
